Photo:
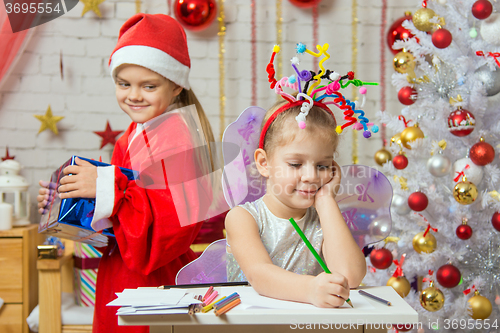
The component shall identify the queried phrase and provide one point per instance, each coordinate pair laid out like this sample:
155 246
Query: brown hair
284 128
187 97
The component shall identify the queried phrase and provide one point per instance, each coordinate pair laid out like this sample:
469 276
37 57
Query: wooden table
375 320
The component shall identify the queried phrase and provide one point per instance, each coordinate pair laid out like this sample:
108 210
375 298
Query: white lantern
14 190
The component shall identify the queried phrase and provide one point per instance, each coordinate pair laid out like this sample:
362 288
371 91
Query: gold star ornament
48 121
91 5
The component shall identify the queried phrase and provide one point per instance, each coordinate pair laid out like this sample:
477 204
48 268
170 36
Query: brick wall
86 95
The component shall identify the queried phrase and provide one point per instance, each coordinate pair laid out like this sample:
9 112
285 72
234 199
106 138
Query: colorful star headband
312 91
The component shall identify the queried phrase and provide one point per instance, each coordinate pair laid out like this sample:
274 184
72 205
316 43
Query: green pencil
313 251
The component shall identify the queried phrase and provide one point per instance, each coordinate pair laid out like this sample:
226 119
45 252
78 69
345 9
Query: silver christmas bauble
439 165
380 227
473 172
490 79
400 205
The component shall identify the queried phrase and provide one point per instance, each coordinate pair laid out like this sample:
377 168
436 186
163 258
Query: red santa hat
156 42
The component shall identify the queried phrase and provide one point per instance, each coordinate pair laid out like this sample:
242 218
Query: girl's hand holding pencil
328 290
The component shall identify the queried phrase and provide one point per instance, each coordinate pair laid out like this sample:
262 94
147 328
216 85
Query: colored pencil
210 298
211 305
228 299
209 291
228 307
313 251
203 285
364 293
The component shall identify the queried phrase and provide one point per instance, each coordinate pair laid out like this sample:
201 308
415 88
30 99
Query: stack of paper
144 301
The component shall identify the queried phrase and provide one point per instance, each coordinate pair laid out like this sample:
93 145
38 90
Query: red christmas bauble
402 327
448 276
305 3
464 231
482 153
195 14
418 201
407 95
482 9
495 221
441 38
461 122
400 162
381 258
397 32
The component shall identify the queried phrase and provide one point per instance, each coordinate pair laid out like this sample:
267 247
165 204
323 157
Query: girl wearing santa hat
154 229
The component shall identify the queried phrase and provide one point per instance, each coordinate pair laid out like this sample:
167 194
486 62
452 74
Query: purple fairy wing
241 180
364 198
210 267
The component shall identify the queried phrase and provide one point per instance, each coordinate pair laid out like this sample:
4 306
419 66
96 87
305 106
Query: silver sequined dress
284 245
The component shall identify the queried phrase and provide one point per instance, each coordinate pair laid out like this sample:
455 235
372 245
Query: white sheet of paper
148 297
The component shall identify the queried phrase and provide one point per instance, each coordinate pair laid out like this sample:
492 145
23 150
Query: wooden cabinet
18 277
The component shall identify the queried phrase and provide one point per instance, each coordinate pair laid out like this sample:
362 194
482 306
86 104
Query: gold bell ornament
382 156
421 19
479 307
425 241
398 281
411 134
465 192
431 298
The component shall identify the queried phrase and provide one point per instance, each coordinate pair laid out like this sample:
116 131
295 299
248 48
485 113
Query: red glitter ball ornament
461 122
464 231
418 201
397 32
305 3
495 221
381 258
400 162
441 38
195 14
448 276
482 153
407 95
482 9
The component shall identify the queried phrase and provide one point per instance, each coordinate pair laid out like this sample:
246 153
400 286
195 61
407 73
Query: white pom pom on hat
156 42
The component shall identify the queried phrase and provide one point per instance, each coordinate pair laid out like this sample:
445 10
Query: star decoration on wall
108 135
91 5
7 156
48 121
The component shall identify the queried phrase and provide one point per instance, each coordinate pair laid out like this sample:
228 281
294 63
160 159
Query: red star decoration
7 156
108 136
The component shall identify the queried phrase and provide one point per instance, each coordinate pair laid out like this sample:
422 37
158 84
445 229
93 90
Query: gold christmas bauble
382 156
396 139
411 134
425 244
431 298
421 19
465 192
479 307
400 284
403 62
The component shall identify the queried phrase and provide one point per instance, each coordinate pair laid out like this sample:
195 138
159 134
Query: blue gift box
71 218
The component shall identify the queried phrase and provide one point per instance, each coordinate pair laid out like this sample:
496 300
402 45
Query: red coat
150 245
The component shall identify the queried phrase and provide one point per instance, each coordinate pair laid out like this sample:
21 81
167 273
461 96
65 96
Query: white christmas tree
444 223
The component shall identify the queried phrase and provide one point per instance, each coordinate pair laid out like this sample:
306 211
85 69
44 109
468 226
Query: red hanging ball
397 32
448 276
400 162
305 3
495 221
482 153
441 38
461 122
407 95
482 9
381 258
464 231
195 14
418 201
